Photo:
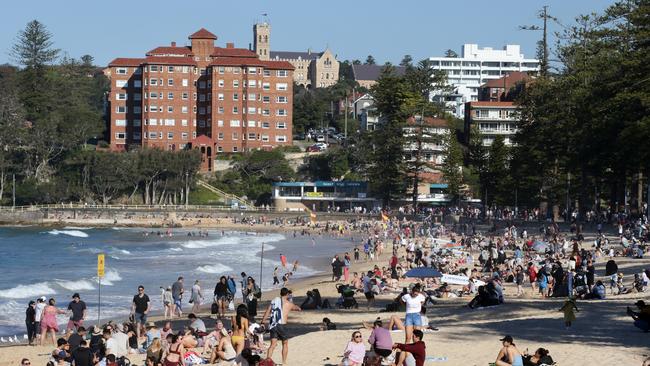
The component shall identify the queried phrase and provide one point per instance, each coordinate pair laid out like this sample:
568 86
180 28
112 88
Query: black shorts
280 332
383 352
369 295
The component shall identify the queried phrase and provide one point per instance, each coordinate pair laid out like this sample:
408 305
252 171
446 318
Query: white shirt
413 304
39 311
118 344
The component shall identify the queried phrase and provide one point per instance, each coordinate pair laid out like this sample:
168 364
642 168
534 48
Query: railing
224 194
64 206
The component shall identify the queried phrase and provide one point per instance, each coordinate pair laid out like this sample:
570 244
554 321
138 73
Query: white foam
111 276
27 291
80 285
75 233
77 228
175 249
214 268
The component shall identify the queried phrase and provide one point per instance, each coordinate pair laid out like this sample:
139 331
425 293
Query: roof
233 52
490 104
372 72
202 140
173 60
202 34
248 61
289 55
507 81
430 122
160 51
123 61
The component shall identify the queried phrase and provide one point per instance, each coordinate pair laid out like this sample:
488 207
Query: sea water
36 261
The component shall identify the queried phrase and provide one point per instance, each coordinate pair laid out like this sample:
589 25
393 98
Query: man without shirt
277 313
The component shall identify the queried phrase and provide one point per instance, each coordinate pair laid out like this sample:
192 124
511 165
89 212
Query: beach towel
276 312
435 359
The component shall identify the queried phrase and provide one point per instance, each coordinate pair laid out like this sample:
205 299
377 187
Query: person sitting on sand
642 317
224 351
509 355
354 351
541 357
413 353
327 324
174 352
380 340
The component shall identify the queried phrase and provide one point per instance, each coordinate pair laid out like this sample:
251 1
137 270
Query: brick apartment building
200 96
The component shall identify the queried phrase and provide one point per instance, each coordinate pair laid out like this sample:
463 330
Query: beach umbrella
423 272
540 246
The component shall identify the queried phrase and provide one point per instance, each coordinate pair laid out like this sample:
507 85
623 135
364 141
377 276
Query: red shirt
417 349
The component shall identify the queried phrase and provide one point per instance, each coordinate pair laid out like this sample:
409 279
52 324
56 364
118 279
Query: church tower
262 40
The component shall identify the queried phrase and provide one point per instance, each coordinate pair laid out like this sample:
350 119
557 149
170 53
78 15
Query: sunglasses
357 336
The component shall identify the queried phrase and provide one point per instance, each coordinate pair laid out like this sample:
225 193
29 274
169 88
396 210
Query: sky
352 29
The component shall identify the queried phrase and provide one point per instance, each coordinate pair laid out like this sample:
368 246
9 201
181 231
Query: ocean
37 261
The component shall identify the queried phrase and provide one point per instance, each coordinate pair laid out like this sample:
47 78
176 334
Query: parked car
320 138
300 136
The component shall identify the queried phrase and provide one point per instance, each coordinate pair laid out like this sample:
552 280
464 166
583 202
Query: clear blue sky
351 28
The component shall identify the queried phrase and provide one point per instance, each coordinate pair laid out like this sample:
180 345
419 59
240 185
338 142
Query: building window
201 123
120 122
267 72
235 149
185 82
220 110
266 99
184 135
220 123
120 109
154 68
220 83
266 125
170 122
121 83
235 110
121 70
251 110
265 138
281 125
220 96
280 138
137 96
202 84
234 123
282 73
184 122
281 86
185 96
235 83
170 109
201 97
153 135
281 99
170 135
281 112
170 96
220 136
235 96
184 109
252 83
252 136
153 81
137 122
221 69
120 135
252 70
266 86
266 112
153 122
137 83
201 110
120 96
235 136
137 136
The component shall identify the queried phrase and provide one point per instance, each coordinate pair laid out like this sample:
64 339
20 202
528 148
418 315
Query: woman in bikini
239 328
174 354
509 355
224 350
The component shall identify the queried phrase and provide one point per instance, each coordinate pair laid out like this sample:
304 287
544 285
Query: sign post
100 274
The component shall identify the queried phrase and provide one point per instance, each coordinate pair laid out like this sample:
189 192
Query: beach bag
257 292
231 305
214 309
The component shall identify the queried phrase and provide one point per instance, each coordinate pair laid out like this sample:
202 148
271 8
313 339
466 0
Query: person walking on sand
177 295
276 281
196 297
79 312
139 309
48 321
509 355
168 303
30 321
221 296
277 313
567 309
346 268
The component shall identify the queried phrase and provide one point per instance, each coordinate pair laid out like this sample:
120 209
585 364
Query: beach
601 335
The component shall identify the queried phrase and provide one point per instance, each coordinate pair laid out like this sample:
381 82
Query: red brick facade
200 96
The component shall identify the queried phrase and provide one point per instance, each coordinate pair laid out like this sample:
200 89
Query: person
598 291
346 268
642 317
283 260
221 296
40 305
413 302
25 362
509 355
567 309
253 293
168 303
118 344
177 295
48 321
276 281
327 324
75 339
354 351
152 333
240 324
62 352
277 313
196 297
197 326
140 308
413 353
82 355
541 357
337 266
224 351
79 311
174 352
380 340
155 351
368 289
30 321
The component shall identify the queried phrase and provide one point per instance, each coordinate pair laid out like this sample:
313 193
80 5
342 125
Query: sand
601 335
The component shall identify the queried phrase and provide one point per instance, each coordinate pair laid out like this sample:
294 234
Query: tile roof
233 52
249 61
173 60
289 55
490 104
202 34
430 122
507 81
372 72
123 61
160 51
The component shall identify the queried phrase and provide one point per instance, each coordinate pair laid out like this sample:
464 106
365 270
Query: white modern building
474 67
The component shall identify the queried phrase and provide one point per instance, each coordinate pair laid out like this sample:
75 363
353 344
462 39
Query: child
569 315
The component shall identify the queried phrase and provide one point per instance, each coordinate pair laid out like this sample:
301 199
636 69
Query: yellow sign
100 265
313 194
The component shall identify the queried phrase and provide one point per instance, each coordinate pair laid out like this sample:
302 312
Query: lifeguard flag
384 217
